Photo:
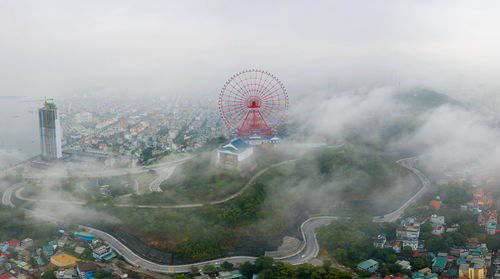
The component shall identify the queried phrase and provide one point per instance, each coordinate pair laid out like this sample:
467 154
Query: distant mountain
424 99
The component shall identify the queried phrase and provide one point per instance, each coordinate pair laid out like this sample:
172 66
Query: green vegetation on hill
361 170
266 267
311 185
196 233
196 180
15 224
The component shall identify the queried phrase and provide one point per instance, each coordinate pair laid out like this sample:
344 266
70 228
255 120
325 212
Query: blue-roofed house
417 275
84 235
368 265
232 154
86 270
4 246
235 274
48 250
439 264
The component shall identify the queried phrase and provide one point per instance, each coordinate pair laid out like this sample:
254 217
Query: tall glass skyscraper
50 132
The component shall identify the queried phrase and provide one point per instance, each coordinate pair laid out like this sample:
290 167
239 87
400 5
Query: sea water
19 131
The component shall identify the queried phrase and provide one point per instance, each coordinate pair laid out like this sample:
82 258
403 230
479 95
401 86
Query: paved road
19 196
61 173
136 187
7 196
310 247
164 174
421 179
306 252
191 205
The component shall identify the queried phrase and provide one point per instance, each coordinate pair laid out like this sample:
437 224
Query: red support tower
253 101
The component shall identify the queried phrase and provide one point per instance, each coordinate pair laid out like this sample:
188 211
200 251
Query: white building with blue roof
234 153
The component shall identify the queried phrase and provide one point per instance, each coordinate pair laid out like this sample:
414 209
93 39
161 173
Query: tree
264 262
227 266
407 250
327 264
421 262
248 269
102 274
49 274
209 268
364 273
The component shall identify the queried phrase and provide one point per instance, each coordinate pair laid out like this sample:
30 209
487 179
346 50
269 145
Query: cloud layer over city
168 47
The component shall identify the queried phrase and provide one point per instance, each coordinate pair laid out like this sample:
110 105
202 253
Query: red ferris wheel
253 101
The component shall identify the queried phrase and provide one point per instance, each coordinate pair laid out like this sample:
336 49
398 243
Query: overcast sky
168 47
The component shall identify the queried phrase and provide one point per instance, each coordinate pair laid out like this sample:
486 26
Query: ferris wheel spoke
246 86
240 93
270 94
262 83
270 90
267 84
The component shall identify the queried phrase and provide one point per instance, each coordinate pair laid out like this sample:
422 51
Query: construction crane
46 118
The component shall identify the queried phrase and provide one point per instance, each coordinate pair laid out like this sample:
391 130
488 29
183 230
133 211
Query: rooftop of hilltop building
236 145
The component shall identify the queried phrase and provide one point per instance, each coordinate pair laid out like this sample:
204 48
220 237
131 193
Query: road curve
113 172
177 206
308 250
421 179
7 196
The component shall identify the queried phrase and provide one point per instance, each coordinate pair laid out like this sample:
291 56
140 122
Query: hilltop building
50 132
234 154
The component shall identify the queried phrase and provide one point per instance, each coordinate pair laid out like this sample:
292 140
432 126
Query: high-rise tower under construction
50 131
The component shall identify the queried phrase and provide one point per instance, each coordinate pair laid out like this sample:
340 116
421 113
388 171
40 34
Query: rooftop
367 264
86 266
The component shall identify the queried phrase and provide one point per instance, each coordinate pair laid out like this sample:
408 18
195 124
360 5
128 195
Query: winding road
307 251
62 173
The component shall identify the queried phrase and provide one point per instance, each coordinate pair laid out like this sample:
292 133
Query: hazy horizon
124 48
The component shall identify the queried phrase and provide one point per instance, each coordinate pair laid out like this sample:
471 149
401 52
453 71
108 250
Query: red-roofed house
14 242
435 204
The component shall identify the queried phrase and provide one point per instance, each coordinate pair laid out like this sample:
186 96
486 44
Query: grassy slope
307 184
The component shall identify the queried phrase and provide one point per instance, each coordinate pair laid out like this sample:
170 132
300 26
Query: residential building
86 270
368 265
48 250
413 243
404 264
439 264
102 251
84 235
477 269
437 229
435 219
27 243
65 273
4 246
408 229
14 242
235 274
379 241
435 204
